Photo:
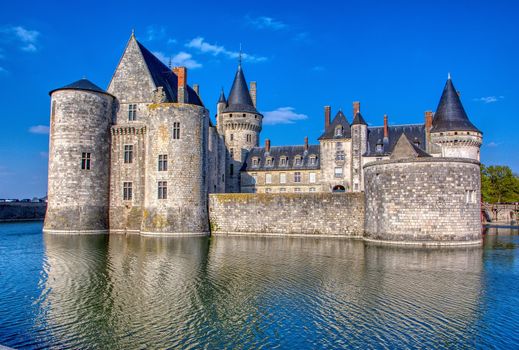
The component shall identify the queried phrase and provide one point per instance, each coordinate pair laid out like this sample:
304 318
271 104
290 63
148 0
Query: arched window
339 189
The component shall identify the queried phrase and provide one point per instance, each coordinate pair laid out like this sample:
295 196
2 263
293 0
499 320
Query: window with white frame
298 160
268 178
282 178
312 178
338 172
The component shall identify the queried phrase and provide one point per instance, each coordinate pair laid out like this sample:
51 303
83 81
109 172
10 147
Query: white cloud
180 59
155 33
201 45
171 41
493 144
39 129
27 38
264 22
489 99
282 115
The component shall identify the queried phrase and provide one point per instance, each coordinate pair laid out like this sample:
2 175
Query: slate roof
450 114
83 84
358 120
376 135
276 152
163 76
405 149
339 119
239 98
222 97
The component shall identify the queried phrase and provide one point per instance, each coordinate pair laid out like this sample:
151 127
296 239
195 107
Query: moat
127 292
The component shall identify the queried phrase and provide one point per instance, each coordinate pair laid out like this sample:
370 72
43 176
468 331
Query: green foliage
499 184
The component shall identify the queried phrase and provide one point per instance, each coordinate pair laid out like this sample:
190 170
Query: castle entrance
338 188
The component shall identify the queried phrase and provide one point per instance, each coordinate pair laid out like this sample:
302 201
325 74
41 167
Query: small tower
240 124
79 159
359 136
220 106
452 129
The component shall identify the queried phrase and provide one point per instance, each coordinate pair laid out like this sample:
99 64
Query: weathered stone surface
420 200
336 214
78 198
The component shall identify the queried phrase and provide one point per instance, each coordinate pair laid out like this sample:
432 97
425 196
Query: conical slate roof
222 97
340 119
83 84
450 114
239 97
358 120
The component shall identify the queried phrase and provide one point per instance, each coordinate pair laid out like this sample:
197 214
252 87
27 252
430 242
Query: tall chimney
306 143
428 126
253 92
386 129
196 87
356 108
267 145
181 73
327 112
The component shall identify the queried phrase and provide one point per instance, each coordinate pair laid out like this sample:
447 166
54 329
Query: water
263 293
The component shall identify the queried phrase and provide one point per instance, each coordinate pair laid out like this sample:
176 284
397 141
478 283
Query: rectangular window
356 187
282 178
298 161
162 190
232 137
176 130
268 190
85 161
338 172
128 153
231 152
297 189
127 191
297 176
312 178
470 196
283 161
132 112
282 189
268 178
231 169
163 162
249 138
312 189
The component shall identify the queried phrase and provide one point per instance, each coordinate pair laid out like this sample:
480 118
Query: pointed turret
222 97
359 120
452 129
450 114
239 98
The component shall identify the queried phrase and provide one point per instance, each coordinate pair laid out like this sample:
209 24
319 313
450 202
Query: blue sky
392 56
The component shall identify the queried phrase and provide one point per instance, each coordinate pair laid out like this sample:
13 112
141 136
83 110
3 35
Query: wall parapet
318 214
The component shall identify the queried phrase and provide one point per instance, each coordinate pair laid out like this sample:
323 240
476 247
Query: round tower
452 129
242 124
175 200
359 136
79 159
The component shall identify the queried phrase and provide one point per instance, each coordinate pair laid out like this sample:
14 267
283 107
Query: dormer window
269 161
338 130
379 148
255 162
283 161
313 160
298 161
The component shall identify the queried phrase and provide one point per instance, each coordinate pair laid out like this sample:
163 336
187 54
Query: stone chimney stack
181 73
386 128
327 113
306 143
267 145
253 92
196 87
356 108
428 126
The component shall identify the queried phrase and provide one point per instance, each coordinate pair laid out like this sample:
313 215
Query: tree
499 184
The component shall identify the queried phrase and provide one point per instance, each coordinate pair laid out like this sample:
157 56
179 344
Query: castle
144 157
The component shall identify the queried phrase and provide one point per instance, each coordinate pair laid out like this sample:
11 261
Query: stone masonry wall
78 198
423 200
334 214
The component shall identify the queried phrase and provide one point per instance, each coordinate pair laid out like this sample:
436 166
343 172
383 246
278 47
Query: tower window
249 138
338 131
85 161
297 176
127 191
231 137
128 154
231 152
132 112
231 169
176 130
163 162
162 190
338 172
243 115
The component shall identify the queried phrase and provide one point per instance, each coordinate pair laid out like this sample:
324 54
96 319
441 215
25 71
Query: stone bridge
505 213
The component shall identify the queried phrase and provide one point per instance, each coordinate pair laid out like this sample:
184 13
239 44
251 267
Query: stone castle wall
78 199
423 200
331 214
185 208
